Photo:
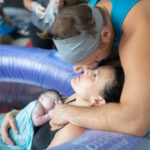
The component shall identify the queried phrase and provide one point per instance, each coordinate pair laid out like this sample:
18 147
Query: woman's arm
8 122
27 4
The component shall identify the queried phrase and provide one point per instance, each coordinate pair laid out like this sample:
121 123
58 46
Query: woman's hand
8 122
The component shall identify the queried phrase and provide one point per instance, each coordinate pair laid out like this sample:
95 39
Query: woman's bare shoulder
70 98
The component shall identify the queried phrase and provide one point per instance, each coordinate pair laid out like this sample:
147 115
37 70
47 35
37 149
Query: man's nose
88 71
78 69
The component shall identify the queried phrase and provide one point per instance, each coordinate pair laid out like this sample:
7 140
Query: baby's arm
38 116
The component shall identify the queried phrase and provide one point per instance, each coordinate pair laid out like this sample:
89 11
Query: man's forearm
111 117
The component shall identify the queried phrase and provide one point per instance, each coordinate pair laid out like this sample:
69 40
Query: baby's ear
97 101
41 97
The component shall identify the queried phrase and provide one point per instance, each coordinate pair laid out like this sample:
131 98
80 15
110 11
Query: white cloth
50 13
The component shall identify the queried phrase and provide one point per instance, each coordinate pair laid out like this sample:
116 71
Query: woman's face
91 82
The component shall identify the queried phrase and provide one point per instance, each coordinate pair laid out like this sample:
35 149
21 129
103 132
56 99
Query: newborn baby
42 111
36 113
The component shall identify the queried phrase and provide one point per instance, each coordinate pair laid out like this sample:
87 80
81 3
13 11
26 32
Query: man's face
91 61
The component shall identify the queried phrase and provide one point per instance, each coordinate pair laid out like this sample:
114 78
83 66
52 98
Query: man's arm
131 116
111 117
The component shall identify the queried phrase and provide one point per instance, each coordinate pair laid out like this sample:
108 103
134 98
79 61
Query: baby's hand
51 111
50 114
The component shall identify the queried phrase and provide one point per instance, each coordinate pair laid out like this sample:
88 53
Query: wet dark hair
51 90
72 21
112 91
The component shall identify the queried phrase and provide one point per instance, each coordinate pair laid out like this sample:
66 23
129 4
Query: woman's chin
72 82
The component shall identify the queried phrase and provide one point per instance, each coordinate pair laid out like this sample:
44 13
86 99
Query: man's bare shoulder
134 55
137 17
135 32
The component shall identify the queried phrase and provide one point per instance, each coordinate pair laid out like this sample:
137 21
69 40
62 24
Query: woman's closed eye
96 74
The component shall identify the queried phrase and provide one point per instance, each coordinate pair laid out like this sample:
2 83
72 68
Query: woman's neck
82 102
78 101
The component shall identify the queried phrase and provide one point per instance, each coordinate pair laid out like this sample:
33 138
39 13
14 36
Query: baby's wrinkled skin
42 111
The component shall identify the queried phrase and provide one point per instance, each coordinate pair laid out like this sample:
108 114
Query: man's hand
8 122
37 8
59 115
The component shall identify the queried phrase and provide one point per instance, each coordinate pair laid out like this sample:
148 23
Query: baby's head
49 98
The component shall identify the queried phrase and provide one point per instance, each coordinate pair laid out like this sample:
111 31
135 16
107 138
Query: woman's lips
79 78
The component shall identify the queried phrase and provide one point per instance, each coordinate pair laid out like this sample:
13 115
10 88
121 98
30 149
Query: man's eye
93 64
94 76
97 61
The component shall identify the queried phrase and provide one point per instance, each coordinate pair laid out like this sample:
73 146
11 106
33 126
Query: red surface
29 44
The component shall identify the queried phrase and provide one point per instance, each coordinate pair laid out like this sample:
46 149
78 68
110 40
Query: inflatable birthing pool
26 72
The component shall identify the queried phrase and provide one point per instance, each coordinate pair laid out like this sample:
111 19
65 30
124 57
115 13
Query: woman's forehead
107 68
106 72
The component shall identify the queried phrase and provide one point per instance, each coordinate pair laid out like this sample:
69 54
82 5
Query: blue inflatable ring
29 71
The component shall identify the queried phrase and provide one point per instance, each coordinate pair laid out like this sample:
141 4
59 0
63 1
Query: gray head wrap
77 48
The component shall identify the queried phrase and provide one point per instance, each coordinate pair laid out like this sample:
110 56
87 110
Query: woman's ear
97 101
105 35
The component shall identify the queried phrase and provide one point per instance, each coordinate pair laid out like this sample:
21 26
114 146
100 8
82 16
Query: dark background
14 3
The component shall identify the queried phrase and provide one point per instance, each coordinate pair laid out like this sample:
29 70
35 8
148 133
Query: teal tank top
92 3
120 9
